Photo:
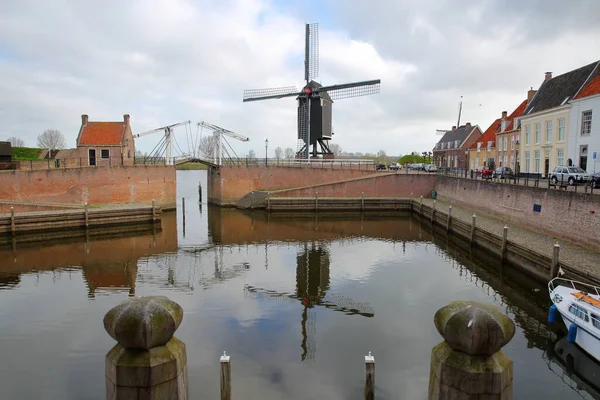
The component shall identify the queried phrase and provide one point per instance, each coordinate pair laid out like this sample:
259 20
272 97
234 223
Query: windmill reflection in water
312 284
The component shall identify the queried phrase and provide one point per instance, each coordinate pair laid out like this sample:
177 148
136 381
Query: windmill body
315 102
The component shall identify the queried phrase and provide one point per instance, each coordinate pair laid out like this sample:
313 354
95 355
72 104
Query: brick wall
92 185
384 185
565 214
227 185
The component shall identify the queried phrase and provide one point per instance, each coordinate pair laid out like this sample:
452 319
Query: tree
251 154
15 141
51 139
278 152
289 153
336 149
207 146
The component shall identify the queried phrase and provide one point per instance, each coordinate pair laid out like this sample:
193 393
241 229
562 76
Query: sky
168 61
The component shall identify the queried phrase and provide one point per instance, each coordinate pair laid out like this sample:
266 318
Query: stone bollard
148 362
469 364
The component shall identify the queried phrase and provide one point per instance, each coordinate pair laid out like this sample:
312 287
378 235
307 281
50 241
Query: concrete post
85 210
449 221
225 377
504 239
369 377
470 362
147 362
554 266
473 224
12 221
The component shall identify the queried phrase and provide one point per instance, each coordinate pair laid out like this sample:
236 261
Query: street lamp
266 150
517 157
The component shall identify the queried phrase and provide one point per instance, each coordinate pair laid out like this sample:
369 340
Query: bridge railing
358 164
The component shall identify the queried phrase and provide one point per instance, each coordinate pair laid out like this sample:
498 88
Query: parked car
486 172
595 180
394 166
380 167
503 173
431 168
571 175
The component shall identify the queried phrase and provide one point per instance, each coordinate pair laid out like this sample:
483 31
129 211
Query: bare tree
336 149
15 141
207 146
278 152
51 139
251 154
289 153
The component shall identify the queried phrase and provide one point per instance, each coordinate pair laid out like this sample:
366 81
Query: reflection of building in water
114 277
575 367
9 280
312 283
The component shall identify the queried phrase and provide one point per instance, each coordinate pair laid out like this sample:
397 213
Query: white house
584 125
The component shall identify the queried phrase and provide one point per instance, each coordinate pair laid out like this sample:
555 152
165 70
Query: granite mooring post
469 363
148 362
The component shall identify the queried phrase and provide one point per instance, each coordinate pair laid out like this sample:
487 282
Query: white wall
575 140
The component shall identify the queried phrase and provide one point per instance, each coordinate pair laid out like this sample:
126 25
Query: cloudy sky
166 61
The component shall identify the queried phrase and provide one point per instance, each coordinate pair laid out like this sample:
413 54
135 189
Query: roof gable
556 91
101 133
461 133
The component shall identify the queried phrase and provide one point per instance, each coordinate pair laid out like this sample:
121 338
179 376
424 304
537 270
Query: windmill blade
312 52
271 93
347 90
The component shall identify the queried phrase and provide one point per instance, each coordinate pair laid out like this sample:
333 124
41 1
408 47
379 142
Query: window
128 153
527 134
489 146
537 161
579 312
583 153
512 160
499 146
586 122
596 321
457 143
512 142
506 161
537 132
561 129
560 157
505 143
478 147
548 131
527 159
105 153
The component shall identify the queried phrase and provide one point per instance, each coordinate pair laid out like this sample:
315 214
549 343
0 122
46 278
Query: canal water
296 302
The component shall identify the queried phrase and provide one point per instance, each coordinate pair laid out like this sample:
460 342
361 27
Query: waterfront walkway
577 257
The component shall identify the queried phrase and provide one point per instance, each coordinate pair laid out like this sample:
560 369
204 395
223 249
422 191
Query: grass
26 153
190 166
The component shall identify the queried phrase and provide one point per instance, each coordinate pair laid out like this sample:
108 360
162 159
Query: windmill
314 100
312 283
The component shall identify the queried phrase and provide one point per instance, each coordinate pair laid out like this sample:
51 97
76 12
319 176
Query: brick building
452 149
105 143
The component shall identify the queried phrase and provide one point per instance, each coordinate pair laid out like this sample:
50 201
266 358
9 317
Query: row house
584 124
452 149
105 143
546 122
483 152
508 135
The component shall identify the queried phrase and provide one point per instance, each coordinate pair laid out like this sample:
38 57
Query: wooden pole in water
316 201
449 219
433 212
225 377
473 224
504 237
554 266
153 210
183 206
268 202
369 377
85 210
200 193
12 220
362 201
421 206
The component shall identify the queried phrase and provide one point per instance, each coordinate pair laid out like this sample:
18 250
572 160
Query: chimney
468 124
84 119
126 119
453 127
530 94
504 114
548 76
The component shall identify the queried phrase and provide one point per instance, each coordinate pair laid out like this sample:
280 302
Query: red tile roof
489 134
101 133
592 88
515 114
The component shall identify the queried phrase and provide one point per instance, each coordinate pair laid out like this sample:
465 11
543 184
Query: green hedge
26 153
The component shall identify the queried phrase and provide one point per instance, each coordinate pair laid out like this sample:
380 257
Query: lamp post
517 157
266 150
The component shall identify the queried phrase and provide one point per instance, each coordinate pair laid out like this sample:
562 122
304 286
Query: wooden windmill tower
314 100
312 283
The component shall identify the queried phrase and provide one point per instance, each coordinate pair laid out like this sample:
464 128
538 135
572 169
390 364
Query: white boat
579 307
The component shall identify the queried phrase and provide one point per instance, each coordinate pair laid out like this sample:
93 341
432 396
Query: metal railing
358 164
69 163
